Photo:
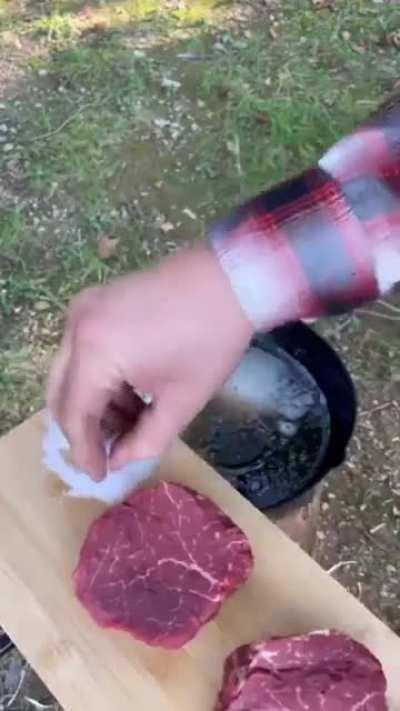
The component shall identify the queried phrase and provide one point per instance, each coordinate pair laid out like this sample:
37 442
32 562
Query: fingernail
97 471
97 475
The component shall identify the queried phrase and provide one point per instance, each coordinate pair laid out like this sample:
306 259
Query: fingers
87 451
61 360
84 396
158 426
122 412
127 402
57 374
87 413
78 395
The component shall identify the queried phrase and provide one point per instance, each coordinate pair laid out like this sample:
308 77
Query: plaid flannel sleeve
325 241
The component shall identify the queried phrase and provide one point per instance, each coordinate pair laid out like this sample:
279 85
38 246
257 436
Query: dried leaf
273 32
262 118
394 38
107 247
233 147
99 26
166 227
167 83
162 123
11 39
322 4
190 213
41 305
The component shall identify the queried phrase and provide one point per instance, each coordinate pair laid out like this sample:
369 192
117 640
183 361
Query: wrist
199 274
260 269
297 251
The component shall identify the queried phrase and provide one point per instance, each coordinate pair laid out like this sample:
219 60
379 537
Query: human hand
175 331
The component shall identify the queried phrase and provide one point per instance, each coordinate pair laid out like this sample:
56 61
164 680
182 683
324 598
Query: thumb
158 426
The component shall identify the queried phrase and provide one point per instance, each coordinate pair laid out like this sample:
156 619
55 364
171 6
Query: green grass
267 100
22 380
286 100
55 28
11 231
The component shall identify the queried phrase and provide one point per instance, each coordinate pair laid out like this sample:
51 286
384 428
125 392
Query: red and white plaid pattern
323 242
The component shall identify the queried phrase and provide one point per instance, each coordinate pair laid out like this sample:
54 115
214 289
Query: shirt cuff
298 251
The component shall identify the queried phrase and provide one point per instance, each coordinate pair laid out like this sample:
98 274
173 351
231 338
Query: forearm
324 242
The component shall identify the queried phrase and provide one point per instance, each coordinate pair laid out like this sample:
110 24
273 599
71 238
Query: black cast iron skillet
5 644
334 381
282 421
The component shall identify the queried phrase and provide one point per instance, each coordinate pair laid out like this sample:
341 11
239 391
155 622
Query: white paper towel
113 489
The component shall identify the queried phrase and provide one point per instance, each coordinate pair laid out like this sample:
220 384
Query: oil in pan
267 430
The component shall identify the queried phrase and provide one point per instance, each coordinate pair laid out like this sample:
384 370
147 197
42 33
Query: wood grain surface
88 668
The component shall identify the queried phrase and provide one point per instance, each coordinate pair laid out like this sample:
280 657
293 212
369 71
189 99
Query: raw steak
161 564
322 671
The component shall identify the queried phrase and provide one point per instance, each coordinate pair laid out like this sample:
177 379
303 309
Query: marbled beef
161 564
322 671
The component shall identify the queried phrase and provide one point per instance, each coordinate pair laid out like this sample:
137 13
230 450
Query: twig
341 326
37 705
377 528
17 690
339 565
191 57
378 408
386 317
390 307
238 157
375 541
65 123
53 299
234 148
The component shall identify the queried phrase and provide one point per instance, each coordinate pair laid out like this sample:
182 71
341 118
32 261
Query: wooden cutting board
88 668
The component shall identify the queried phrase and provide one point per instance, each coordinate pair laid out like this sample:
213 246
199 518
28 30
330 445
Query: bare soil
359 528
359 534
